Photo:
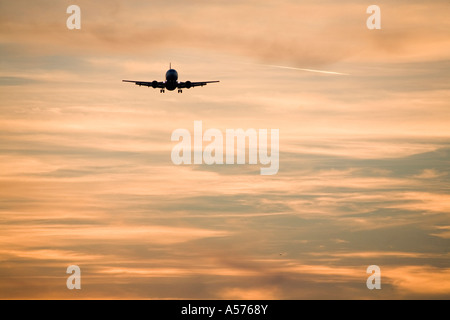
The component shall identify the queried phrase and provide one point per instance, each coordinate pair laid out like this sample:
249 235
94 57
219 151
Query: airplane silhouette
171 82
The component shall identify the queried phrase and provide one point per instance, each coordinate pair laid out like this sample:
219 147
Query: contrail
308 70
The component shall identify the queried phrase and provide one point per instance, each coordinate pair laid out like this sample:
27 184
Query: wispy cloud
310 70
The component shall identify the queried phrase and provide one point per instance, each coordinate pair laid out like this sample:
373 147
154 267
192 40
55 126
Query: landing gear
161 91
180 91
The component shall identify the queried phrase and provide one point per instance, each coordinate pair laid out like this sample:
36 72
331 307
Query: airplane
171 82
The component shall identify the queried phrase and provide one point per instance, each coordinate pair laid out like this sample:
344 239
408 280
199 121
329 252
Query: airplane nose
172 75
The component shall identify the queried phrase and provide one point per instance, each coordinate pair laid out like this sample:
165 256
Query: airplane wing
189 84
154 84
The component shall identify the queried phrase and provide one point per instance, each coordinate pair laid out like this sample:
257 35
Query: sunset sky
86 176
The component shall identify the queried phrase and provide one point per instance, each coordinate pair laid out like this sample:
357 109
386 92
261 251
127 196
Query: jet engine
188 84
155 84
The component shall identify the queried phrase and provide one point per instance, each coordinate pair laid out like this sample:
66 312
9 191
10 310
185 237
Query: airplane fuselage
171 79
